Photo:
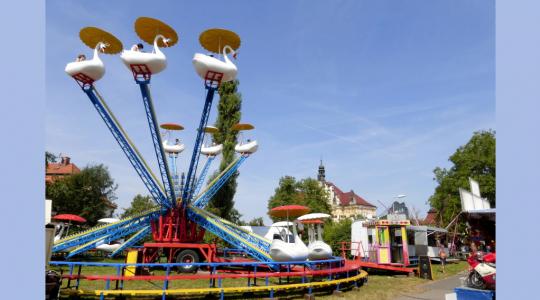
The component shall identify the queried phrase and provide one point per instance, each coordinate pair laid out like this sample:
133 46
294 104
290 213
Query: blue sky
383 91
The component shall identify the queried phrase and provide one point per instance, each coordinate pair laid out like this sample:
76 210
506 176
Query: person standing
442 256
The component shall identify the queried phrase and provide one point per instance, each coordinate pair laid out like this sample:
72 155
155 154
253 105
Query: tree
307 192
256 222
89 193
138 205
229 114
476 160
336 232
49 158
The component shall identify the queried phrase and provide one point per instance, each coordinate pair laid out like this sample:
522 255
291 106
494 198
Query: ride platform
398 268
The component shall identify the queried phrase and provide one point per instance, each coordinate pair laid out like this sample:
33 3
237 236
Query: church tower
321 176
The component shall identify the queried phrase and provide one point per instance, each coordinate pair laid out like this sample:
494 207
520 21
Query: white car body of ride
175 148
317 248
206 63
212 150
249 147
93 68
155 61
114 245
289 246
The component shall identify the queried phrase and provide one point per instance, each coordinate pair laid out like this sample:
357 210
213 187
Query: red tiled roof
345 198
61 169
430 217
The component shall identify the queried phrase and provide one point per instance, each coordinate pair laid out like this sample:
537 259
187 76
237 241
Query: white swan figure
176 148
212 150
155 60
204 63
249 147
93 68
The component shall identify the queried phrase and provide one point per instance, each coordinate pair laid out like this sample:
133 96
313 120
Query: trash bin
52 285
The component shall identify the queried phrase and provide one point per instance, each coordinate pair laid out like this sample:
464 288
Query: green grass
378 287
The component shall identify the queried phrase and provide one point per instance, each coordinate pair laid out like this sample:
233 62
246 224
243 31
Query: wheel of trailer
187 256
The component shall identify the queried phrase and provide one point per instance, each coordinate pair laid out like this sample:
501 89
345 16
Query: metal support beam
79 239
202 176
198 143
156 140
127 147
113 236
205 197
133 240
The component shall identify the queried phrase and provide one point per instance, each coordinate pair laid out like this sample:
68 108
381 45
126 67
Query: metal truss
190 179
203 200
129 149
156 140
133 240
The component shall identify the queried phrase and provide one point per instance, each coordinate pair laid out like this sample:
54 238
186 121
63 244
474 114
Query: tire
475 280
187 256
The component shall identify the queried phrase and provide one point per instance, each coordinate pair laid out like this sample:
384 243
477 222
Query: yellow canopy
172 126
215 39
210 129
242 126
91 36
148 28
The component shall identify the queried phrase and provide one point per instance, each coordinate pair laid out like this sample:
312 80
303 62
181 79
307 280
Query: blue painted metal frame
156 139
113 236
106 230
202 176
198 143
133 240
206 224
203 200
128 149
253 239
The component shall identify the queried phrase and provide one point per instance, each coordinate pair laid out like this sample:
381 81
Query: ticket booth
388 241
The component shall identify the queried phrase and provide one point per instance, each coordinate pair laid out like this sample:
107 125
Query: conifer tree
229 114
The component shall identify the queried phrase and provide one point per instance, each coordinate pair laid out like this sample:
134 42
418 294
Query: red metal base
213 79
140 72
393 268
152 251
175 227
83 80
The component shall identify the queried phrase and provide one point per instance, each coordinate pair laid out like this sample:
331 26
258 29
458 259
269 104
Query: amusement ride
179 223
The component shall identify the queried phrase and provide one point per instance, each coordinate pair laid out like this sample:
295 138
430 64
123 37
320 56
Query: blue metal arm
93 234
156 139
203 200
202 176
113 236
129 150
133 240
198 143
227 235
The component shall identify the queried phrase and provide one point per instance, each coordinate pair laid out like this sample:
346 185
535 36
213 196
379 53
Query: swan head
101 46
163 39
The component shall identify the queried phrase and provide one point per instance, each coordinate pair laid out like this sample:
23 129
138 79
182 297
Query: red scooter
481 271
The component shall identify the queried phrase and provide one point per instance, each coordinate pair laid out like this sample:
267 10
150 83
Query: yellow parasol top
172 126
148 28
242 126
91 36
210 129
215 39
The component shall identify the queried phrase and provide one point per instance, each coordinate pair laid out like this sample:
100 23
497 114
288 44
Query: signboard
424 267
